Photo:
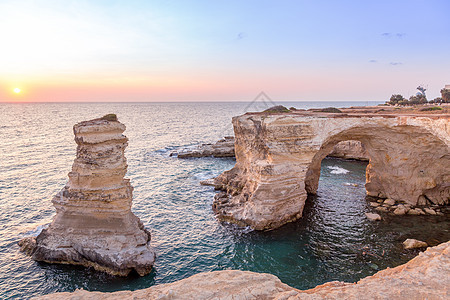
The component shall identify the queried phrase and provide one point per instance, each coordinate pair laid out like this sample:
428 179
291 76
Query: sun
16 90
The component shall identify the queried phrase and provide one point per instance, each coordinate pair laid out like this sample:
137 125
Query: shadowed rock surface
94 225
426 276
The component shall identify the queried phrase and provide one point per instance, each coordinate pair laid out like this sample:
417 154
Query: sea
332 241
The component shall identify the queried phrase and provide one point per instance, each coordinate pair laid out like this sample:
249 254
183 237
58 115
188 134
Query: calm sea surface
333 241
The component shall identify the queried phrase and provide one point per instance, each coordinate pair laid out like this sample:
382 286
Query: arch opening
406 163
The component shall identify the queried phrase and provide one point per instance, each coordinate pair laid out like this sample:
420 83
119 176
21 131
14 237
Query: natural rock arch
278 160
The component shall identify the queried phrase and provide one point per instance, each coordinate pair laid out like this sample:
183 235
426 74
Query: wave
338 170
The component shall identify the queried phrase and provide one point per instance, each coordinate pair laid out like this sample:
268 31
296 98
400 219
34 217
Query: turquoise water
334 240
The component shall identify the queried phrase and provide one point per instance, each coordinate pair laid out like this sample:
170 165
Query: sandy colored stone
429 211
374 204
94 225
414 212
373 217
278 160
381 208
426 276
389 201
350 150
413 243
400 210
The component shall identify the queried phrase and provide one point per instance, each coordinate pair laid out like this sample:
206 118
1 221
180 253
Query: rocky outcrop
426 276
225 148
222 148
349 150
278 159
94 225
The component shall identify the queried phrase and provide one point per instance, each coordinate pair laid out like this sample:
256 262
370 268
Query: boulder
412 244
389 202
429 211
400 210
373 217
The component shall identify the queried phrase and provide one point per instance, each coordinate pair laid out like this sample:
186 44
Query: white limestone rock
413 243
373 217
94 225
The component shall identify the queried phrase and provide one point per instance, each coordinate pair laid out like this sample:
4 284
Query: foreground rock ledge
94 225
426 276
278 160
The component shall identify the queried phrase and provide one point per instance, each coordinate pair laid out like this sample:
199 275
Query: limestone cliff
278 159
94 225
426 276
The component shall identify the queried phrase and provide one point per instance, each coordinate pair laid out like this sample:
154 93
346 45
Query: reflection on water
333 241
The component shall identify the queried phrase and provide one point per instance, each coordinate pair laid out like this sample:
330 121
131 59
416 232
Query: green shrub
109 117
431 108
276 109
330 110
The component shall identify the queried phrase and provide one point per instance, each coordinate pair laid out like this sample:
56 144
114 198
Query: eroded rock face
426 276
350 150
278 159
94 225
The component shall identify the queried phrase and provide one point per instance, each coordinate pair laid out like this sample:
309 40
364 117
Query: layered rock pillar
278 158
94 225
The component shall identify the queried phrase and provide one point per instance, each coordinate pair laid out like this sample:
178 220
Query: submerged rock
94 225
412 244
426 276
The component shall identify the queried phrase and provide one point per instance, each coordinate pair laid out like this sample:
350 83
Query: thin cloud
395 63
398 35
241 35
373 61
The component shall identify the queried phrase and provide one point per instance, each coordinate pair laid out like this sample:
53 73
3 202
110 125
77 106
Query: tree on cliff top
396 99
445 93
417 99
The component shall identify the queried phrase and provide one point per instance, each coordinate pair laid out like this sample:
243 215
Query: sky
165 50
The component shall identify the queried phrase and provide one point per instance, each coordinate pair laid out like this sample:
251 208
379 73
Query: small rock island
94 225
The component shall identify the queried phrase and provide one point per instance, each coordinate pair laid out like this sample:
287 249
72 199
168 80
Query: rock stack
94 225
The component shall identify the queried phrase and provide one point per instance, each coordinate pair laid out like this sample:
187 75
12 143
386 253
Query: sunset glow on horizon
221 51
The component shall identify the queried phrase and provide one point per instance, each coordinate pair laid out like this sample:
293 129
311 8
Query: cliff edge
426 276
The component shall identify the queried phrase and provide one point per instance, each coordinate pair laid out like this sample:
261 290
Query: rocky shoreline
427 276
401 208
